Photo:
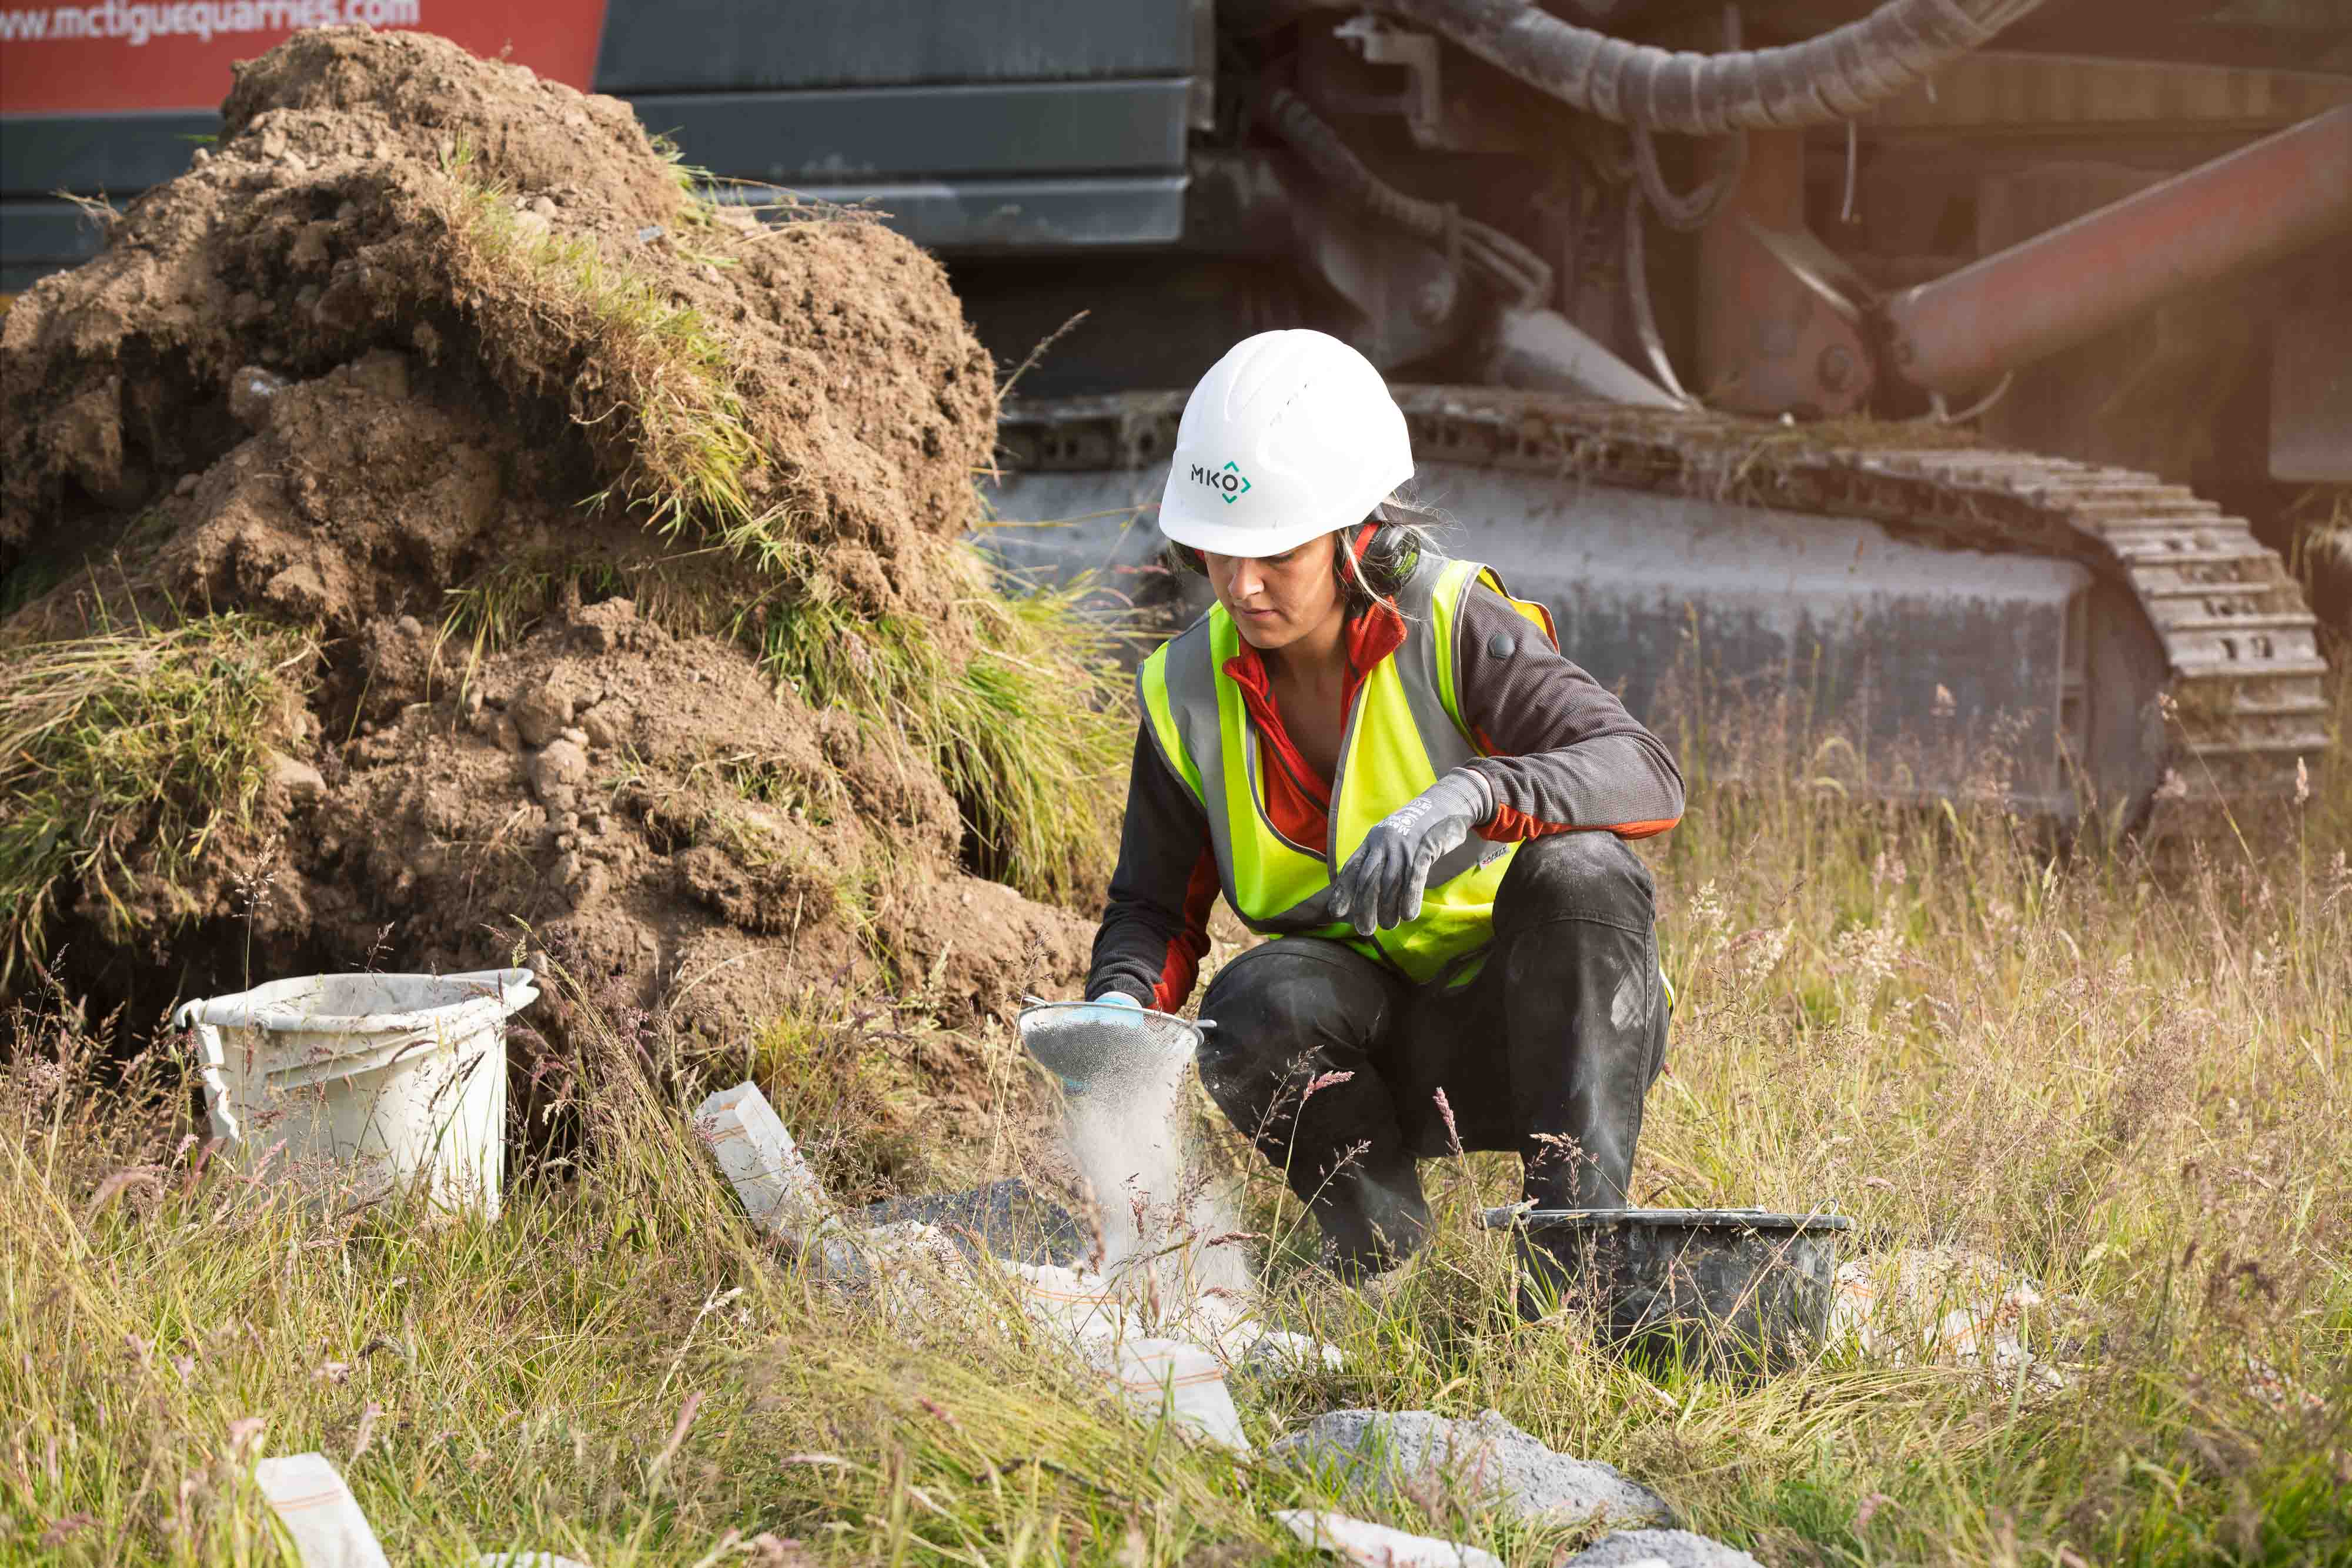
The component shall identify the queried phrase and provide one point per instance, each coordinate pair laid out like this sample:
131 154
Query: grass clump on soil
1029 728
1012 697
2129 1075
668 377
126 757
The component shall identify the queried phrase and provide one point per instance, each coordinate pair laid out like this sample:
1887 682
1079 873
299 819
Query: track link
2246 708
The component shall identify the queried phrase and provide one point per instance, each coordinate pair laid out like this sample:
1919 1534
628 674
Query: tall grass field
2122 1071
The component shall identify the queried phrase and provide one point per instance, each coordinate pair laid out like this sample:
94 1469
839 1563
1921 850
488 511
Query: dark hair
1403 534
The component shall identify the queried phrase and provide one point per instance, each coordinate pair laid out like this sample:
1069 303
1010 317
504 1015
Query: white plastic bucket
385 1078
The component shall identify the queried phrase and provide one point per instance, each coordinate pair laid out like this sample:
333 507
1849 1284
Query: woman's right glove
1382 885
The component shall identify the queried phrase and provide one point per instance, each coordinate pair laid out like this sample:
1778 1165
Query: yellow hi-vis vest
1406 729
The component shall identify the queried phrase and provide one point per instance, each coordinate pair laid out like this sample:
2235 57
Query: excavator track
2245 708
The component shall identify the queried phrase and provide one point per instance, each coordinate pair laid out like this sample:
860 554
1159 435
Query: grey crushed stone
1649 1548
1005 1218
1486 1457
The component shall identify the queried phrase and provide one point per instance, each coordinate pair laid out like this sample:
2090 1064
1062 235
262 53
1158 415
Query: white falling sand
1169 1233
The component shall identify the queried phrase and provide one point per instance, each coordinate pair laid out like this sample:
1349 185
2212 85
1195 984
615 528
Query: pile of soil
357 371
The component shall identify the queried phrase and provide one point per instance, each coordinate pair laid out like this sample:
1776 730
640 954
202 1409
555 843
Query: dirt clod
541 713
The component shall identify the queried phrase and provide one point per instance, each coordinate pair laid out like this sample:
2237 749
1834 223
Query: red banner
118 55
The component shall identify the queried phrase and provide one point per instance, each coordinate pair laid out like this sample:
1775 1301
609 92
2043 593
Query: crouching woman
1382 762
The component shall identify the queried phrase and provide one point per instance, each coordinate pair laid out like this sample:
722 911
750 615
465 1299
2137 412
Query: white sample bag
759 1158
319 1513
1183 1384
1370 1545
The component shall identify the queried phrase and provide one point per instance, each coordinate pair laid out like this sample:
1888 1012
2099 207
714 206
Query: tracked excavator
1912 367
1722 530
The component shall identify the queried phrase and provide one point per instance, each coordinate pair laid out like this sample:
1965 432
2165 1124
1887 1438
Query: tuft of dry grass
672 380
1015 702
2125 1071
124 756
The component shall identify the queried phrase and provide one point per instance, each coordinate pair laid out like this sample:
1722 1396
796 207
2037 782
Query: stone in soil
541 713
1485 1460
1660 1549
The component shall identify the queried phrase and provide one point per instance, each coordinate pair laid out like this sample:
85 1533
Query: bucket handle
211 1066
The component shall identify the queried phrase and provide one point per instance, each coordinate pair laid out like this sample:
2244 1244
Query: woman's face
1276 599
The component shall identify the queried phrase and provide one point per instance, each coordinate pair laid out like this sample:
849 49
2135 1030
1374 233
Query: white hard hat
1291 435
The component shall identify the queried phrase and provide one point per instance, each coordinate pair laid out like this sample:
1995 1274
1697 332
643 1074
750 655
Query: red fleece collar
1372 637
1298 798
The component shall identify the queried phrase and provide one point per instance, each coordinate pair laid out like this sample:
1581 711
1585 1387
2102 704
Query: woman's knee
1567 876
1292 994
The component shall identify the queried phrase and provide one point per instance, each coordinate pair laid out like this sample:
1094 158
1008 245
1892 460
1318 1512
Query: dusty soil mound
357 371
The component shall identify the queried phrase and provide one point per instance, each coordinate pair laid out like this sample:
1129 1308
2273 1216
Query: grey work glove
1382 885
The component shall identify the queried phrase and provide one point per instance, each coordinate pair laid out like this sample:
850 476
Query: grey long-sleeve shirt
1562 754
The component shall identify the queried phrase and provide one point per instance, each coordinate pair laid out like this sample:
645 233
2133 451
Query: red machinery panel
117 55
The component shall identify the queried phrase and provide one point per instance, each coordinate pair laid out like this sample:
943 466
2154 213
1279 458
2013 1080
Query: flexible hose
1637 294
1690 213
1817 82
1519 273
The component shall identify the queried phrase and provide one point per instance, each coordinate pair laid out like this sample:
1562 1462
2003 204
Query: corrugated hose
1821 81
1516 272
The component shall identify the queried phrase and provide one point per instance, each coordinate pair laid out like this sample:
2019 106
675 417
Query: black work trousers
1343 1072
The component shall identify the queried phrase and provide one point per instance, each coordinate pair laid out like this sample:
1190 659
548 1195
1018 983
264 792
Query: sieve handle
1204 1025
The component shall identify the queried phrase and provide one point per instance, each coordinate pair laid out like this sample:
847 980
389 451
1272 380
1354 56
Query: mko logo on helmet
1230 482
1297 424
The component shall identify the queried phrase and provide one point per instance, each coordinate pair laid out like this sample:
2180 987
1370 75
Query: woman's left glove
1382 885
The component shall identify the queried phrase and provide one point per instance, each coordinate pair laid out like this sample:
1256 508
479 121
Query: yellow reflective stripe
1269 875
1152 680
1388 764
1445 609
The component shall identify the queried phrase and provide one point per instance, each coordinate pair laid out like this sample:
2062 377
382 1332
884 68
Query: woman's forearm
1155 925
1563 754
